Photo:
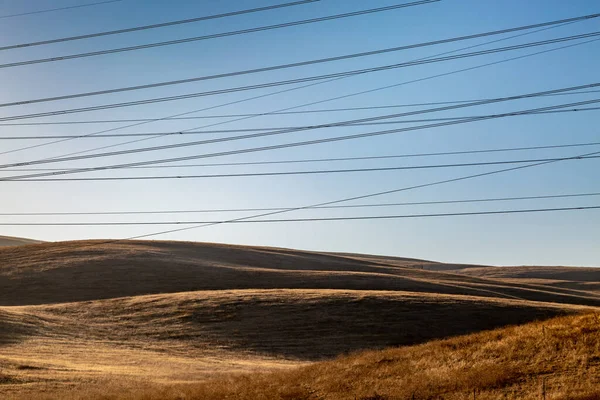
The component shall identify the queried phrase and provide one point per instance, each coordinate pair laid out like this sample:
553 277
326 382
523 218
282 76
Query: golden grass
154 320
6 241
270 322
578 278
562 355
189 337
79 271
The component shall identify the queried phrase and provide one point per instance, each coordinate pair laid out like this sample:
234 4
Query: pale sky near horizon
558 238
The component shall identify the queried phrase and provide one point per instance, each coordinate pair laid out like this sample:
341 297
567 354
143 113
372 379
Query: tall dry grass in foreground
506 363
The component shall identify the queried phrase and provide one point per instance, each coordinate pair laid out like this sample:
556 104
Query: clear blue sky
566 238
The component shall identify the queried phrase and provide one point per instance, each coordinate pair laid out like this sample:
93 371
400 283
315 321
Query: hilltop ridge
93 270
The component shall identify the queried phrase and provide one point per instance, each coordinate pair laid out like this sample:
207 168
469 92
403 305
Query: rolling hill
6 241
166 313
94 270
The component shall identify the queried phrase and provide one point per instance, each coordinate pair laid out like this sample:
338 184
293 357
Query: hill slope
559 359
587 279
192 336
173 312
6 241
79 271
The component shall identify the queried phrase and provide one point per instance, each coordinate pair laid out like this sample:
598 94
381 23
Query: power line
315 160
154 26
247 150
375 205
287 173
316 84
339 201
439 75
297 64
59 9
289 81
305 127
295 144
218 35
289 220
578 208
266 114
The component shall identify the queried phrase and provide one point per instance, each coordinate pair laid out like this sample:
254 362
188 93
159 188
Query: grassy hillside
6 241
167 316
587 279
271 322
560 357
80 271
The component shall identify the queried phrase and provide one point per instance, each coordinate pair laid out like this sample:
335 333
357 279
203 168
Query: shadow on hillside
333 327
70 272
13 330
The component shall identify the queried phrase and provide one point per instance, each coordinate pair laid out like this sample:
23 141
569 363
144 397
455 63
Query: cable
338 201
220 131
330 110
314 208
154 26
59 9
354 218
287 173
339 138
446 153
442 74
218 35
296 64
288 81
247 150
334 139
316 84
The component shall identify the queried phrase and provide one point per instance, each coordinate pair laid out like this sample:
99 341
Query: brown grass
6 241
150 320
581 278
79 271
190 337
506 363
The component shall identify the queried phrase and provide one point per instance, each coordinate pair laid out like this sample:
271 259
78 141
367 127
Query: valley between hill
180 313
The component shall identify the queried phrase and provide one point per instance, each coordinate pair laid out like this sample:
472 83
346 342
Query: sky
548 238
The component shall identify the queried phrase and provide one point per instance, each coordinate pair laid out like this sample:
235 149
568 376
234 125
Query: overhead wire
332 139
311 85
297 106
266 148
59 9
288 173
314 219
214 36
337 159
370 195
288 81
444 73
263 129
329 110
339 201
301 63
154 26
368 205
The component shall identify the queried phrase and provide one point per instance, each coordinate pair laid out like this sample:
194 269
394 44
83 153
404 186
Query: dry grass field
179 320
6 241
